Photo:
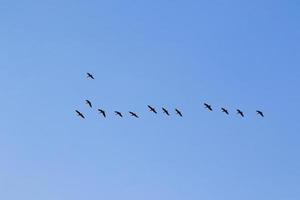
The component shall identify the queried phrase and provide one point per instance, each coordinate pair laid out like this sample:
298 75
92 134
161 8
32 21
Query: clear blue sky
237 54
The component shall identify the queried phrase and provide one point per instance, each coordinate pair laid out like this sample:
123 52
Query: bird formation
152 109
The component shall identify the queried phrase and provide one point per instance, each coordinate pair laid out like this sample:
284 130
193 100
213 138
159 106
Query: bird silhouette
90 76
240 112
166 111
102 112
208 106
80 114
260 113
152 109
178 112
225 111
88 103
119 113
133 114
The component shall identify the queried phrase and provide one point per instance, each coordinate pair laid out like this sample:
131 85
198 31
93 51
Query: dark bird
119 113
225 111
102 112
90 76
166 111
152 109
240 112
80 114
178 112
208 106
88 103
260 113
133 114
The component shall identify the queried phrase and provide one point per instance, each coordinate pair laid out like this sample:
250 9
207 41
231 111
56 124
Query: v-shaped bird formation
152 109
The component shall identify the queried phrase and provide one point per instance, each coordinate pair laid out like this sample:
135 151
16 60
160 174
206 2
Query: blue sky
236 54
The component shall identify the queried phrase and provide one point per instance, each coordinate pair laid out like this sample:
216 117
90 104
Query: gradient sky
237 54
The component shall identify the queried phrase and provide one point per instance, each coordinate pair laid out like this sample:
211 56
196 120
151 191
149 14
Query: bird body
102 112
119 113
152 109
80 114
208 106
225 111
90 76
88 103
260 113
166 111
178 112
240 112
133 114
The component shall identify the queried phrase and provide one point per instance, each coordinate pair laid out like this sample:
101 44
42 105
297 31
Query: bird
80 114
240 112
89 103
152 109
133 114
178 112
119 113
102 112
208 106
260 113
166 111
225 111
90 76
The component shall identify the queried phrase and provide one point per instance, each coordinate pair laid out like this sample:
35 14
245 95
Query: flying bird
260 113
90 76
102 112
80 114
240 112
133 114
208 106
152 109
88 103
225 111
166 111
178 112
119 113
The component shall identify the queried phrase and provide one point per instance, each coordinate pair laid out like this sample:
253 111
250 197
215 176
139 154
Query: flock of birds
152 109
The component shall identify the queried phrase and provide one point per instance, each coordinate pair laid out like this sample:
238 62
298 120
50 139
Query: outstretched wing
165 111
118 113
80 114
90 76
178 112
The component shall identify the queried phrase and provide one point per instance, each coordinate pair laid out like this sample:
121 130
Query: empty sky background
237 54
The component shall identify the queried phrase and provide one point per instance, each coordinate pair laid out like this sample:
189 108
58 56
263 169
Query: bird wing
152 109
260 113
80 114
133 114
90 75
208 106
118 113
241 113
89 103
166 111
178 112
